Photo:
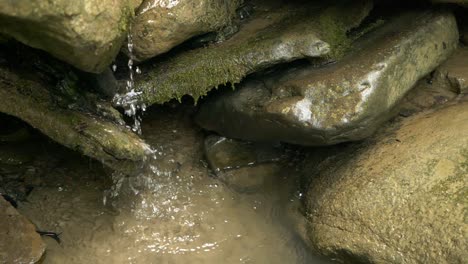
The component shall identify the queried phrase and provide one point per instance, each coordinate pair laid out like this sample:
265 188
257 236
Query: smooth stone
224 154
271 36
455 71
87 34
19 242
346 101
400 197
161 25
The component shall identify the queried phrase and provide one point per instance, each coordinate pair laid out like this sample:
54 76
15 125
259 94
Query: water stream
176 212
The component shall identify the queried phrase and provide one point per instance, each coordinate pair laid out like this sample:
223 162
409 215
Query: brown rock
19 242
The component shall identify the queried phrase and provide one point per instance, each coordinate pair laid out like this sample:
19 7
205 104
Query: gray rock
342 102
87 34
273 35
161 25
19 242
225 154
398 198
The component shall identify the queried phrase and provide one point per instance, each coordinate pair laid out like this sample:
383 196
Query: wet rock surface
27 98
273 35
87 34
19 242
161 25
400 197
244 166
224 154
455 71
342 102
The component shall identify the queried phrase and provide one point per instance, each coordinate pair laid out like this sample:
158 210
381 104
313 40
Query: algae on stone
346 101
29 100
277 36
86 33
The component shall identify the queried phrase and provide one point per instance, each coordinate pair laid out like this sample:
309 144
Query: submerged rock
398 198
87 34
243 166
28 99
345 101
272 36
161 25
19 242
224 153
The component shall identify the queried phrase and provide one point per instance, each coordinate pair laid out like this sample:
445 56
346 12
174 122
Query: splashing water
129 100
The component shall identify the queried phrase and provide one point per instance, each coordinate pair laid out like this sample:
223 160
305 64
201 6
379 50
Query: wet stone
346 101
455 71
161 25
19 242
272 36
226 154
400 197
58 28
250 179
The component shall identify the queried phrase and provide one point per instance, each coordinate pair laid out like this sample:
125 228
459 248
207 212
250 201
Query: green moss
196 72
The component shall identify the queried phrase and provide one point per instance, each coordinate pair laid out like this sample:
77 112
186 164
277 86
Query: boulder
272 36
346 101
87 34
161 25
19 242
400 197
26 97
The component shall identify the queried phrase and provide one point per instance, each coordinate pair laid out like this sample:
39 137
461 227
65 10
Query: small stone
19 242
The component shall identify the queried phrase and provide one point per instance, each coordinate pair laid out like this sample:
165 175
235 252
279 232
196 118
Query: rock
19 242
69 32
342 102
225 154
272 36
250 179
161 25
455 71
458 2
427 93
25 97
398 198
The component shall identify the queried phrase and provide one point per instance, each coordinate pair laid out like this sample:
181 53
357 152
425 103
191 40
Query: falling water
129 100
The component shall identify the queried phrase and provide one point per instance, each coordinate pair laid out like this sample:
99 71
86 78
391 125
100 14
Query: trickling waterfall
129 100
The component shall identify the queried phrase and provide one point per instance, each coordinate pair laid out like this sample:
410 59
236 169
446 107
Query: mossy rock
272 37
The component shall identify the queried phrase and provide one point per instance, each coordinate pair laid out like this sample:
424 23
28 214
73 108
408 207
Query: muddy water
176 211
